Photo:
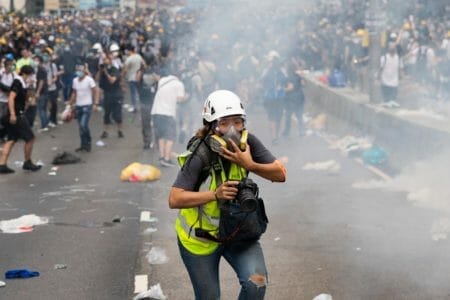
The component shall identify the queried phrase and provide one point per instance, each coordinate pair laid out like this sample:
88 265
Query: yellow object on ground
137 172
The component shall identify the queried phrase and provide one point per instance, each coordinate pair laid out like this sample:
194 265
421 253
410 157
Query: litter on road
329 165
157 256
60 267
137 172
20 273
155 292
23 224
2 284
323 297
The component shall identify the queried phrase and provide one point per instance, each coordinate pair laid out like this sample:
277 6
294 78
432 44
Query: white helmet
97 47
222 103
114 47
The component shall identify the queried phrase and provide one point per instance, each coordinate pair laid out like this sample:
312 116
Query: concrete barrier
406 139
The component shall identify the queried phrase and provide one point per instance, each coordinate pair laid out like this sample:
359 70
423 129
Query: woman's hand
12 119
227 190
242 158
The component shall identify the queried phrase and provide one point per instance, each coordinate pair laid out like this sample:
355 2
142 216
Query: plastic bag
137 172
68 114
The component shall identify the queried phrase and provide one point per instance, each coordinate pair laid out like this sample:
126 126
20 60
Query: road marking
374 170
145 216
140 283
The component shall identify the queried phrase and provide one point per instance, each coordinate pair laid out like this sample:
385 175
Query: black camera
247 196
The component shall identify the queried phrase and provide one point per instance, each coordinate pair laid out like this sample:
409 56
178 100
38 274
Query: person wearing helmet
238 154
114 50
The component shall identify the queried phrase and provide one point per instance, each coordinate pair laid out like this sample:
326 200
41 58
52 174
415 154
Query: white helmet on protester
114 47
222 103
97 46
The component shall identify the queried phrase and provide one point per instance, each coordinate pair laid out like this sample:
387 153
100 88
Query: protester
85 97
197 222
109 79
6 80
147 92
170 91
41 93
274 85
132 65
390 69
17 126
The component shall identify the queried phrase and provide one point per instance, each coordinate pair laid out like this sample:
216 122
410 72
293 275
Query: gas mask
216 142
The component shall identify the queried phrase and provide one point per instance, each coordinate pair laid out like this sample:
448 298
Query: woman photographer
237 154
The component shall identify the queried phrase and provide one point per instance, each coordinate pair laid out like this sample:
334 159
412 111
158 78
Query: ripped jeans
246 259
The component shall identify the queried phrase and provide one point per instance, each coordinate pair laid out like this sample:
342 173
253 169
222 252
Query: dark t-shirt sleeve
259 152
189 175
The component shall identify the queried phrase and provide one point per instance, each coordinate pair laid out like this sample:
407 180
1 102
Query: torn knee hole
257 279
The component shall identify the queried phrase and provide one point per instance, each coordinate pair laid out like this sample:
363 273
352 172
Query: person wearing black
17 126
294 101
41 93
108 77
147 92
67 63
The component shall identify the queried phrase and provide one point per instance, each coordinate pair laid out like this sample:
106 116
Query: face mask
231 135
79 73
239 138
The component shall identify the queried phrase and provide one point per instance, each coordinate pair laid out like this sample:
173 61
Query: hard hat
360 32
114 47
97 47
222 103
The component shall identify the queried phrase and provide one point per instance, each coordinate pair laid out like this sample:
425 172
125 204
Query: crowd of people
258 50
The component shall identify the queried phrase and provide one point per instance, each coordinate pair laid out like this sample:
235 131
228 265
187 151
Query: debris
277 239
100 143
155 292
22 224
65 158
349 144
330 165
55 148
32 185
20 273
117 219
76 179
375 156
55 168
52 173
60 267
440 229
319 122
323 297
18 163
358 249
149 230
40 163
137 172
157 256
2 284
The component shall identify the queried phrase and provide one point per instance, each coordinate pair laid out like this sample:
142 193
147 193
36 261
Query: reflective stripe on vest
207 215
